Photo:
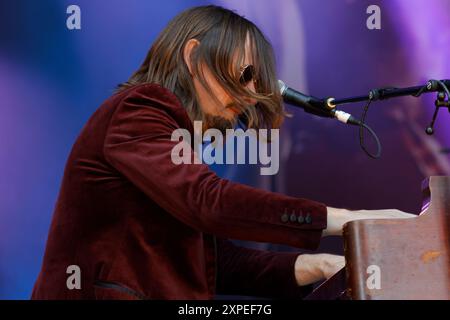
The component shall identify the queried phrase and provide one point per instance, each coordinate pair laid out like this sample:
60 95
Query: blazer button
301 219
308 218
285 218
293 217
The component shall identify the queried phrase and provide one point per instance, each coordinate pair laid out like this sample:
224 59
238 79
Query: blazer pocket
109 290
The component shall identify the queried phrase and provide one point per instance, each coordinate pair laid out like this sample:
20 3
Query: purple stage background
53 79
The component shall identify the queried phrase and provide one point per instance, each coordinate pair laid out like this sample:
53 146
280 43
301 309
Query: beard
218 122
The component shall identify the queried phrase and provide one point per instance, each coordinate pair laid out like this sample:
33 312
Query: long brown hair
222 35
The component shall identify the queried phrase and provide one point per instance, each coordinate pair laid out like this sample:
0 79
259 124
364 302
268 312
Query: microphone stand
439 86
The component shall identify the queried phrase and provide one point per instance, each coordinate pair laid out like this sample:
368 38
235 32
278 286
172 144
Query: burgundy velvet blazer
140 227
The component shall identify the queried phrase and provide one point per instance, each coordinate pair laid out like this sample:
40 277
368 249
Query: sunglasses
247 75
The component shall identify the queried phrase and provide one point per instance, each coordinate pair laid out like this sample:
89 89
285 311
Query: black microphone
316 106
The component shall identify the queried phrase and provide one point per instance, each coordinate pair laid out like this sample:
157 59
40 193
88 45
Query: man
138 226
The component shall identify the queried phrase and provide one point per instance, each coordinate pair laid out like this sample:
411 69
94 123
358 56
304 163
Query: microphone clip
442 101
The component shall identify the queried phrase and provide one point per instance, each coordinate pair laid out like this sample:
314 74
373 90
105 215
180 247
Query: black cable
378 154
363 126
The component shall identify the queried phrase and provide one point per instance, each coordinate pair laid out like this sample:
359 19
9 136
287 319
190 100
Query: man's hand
310 268
337 218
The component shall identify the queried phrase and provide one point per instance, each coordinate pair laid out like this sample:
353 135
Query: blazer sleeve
138 145
257 273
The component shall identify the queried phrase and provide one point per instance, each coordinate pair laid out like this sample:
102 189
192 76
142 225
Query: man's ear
188 49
